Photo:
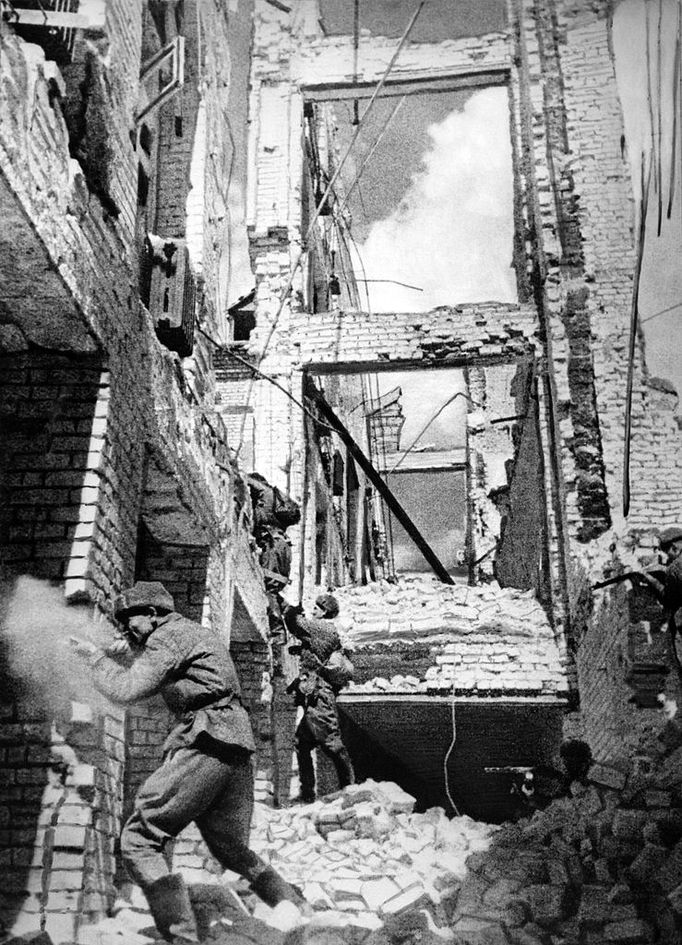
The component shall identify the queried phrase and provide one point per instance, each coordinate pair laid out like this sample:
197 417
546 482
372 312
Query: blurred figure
316 688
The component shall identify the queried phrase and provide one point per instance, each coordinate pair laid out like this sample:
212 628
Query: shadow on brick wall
48 500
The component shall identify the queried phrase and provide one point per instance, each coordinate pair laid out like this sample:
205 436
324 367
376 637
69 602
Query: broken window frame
314 174
175 53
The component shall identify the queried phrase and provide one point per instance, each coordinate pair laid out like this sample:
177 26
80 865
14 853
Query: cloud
452 232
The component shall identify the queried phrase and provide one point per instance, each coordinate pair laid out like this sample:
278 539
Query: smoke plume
38 662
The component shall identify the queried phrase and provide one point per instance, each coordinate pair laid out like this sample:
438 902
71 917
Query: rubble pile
486 639
364 861
365 853
600 867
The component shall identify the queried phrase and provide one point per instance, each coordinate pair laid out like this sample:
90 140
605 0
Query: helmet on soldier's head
668 536
328 604
144 594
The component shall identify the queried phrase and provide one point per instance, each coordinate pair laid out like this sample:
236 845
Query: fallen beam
316 397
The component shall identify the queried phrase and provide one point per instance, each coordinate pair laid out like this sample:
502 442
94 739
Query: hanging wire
266 377
663 311
650 99
459 393
659 140
450 750
344 231
368 157
645 185
342 225
318 210
676 99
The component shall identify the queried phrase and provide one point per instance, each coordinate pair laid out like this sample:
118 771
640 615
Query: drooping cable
450 750
404 455
675 101
266 377
321 205
663 311
649 92
645 184
659 117
370 154
344 230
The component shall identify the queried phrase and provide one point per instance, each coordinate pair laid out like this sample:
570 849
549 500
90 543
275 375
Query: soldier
315 689
665 583
206 775
273 513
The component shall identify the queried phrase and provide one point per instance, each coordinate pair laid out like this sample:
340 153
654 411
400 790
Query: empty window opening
427 471
456 486
423 213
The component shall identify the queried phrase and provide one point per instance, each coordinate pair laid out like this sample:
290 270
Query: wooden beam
316 397
415 85
55 19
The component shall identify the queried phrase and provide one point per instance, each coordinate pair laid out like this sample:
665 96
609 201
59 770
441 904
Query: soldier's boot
171 909
306 774
273 889
344 767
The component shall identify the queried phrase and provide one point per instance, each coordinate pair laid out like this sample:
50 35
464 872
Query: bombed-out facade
135 396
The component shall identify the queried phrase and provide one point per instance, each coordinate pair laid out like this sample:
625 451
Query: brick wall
98 419
573 256
463 333
53 418
490 452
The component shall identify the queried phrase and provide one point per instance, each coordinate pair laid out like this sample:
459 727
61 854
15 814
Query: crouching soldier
315 689
206 775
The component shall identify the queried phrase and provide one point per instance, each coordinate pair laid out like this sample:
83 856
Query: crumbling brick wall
97 410
596 322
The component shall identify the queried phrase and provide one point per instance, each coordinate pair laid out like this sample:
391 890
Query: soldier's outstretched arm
145 677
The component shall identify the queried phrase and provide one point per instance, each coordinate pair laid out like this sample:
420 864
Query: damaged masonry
337 297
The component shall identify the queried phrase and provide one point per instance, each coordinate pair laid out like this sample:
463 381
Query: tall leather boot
272 889
306 773
172 910
344 767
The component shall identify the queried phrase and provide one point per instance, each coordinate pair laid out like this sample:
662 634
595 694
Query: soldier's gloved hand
119 646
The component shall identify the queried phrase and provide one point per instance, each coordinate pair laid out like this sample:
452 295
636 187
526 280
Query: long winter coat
193 672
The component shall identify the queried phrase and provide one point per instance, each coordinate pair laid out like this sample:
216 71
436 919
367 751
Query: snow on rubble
365 853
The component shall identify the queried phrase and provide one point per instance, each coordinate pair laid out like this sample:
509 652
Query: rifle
655 580
509 769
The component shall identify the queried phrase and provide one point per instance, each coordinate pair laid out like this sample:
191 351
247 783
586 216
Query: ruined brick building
130 408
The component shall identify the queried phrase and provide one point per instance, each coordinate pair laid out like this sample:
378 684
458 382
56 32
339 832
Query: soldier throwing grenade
206 775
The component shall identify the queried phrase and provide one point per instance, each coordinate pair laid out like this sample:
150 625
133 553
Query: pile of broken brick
364 854
602 866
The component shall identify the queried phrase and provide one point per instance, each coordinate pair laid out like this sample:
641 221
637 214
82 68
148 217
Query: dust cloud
39 663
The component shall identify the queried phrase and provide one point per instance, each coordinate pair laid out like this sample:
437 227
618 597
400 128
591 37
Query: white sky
452 232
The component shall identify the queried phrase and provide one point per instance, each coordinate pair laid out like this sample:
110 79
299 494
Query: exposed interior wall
521 558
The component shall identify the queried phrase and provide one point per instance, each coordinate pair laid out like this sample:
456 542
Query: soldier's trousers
205 783
319 728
